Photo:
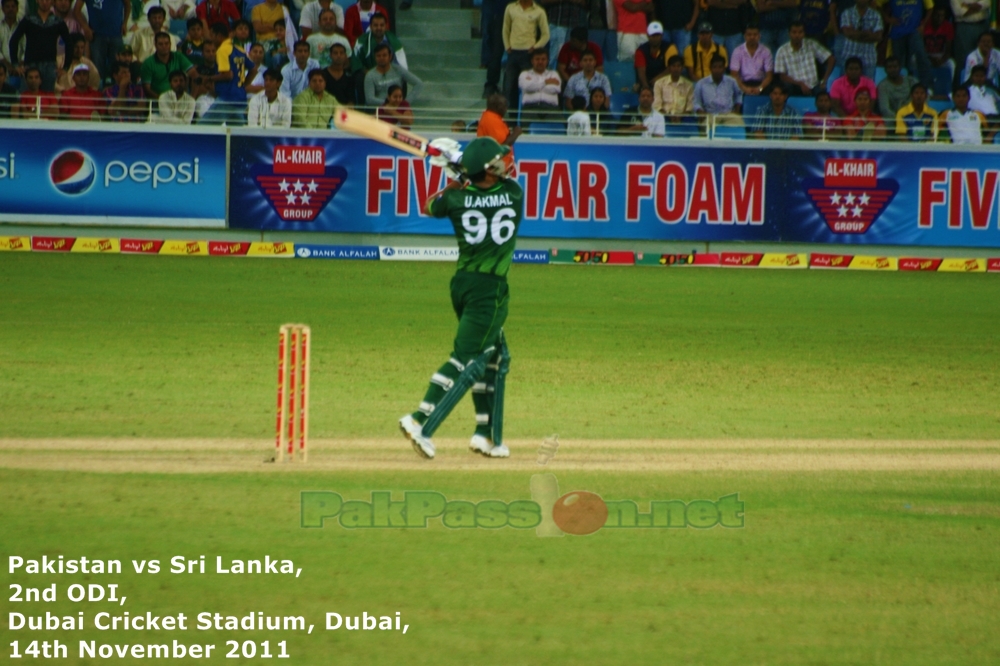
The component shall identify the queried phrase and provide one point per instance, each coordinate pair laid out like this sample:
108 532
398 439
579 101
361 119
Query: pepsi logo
72 172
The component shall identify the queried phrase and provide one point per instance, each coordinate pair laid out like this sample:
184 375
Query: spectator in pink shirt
751 64
844 89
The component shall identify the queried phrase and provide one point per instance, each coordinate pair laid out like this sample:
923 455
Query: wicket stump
294 357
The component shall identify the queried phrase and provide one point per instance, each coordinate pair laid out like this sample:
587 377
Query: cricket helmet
484 155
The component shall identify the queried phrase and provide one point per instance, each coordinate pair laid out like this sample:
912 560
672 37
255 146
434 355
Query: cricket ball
580 512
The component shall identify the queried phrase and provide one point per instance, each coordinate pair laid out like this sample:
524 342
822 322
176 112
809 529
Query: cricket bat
362 124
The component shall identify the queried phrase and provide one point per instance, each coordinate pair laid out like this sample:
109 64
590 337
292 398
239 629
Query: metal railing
536 122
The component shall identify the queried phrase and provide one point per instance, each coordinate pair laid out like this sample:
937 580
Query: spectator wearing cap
77 46
144 39
363 57
36 103
269 107
651 58
730 19
41 32
588 78
175 106
719 95
844 88
525 30
104 27
698 56
563 16
385 74
313 108
126 56
673 95
776 120
633 17
568 62
156 68
678 19
774 18
328 35
862 28
795 63
309 21
295 75
126 100
81 101
752 65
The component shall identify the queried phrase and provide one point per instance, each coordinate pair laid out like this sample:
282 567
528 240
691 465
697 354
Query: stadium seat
879 75
942 80
624 101
622 76
685 129
751 104
940 105
837 72
801 104
727 132
547 128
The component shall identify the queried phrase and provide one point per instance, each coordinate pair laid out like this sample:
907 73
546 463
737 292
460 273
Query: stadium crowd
785 69
256 62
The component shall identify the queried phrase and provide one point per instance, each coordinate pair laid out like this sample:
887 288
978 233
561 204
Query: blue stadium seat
622 75
727 132
940 105
622 101
547 128
802 104
879 75
751 103
685 129
942 80
837 72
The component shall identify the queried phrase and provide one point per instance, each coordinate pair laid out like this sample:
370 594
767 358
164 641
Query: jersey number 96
501 227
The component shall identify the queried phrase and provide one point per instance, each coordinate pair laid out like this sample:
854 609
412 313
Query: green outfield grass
831 567
158 347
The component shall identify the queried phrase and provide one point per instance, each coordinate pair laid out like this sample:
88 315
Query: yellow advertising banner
96 245
286 250
15 244
186 248
866 263
963 266
774 260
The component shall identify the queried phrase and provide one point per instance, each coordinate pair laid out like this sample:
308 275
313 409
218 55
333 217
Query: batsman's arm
452 185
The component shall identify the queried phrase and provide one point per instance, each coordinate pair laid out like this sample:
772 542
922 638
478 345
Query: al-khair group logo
549 513
850 196
72 172
298 183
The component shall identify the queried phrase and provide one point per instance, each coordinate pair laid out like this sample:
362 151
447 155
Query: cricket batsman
486 214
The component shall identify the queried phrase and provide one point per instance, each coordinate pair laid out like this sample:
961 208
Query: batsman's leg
496 418
472 373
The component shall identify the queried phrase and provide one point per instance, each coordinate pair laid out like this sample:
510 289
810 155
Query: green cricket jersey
486 224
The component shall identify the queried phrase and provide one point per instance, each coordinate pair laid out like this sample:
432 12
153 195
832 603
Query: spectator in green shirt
156 68
313 108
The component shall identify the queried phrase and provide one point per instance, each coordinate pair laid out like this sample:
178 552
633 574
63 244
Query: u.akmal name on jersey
488 201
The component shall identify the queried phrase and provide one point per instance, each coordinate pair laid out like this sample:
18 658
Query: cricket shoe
499 451
481 445
413 432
